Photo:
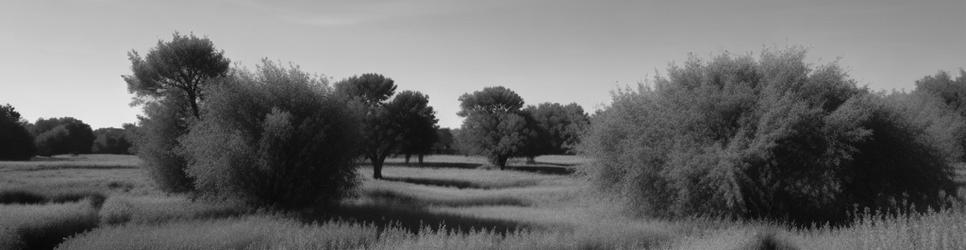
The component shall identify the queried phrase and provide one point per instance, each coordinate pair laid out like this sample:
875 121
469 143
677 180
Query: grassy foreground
452 202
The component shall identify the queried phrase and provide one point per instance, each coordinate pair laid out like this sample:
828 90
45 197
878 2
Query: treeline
22 140
280 137
777 138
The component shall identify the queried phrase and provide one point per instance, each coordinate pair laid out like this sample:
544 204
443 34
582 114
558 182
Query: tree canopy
494 125
16 143
65 135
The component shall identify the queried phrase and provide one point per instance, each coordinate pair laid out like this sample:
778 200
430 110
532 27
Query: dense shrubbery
162 124
64 135
278 137
111 141
16 143
770 138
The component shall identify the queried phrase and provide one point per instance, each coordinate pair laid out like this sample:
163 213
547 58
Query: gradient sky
65 57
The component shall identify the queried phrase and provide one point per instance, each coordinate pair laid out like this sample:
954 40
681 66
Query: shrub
43 226
160 127
62 136
278 137
111 141
16 143
768 138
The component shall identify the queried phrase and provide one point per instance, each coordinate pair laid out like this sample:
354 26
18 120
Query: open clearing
452 202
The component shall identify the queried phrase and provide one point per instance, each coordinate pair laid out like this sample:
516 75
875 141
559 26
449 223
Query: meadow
451 202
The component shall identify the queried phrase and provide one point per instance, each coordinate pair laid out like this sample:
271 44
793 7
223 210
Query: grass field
451 202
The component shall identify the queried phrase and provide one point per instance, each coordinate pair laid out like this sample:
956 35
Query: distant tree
65 135
951 91
111 141
132 134
275 138
493 124
184 65
382 135
417 121
170 81
444 142
16 143
556 129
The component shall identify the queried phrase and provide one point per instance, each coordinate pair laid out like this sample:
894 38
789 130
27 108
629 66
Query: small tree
382 134
278 138
171 81
16 143
418 123
556 129
62 136
493 124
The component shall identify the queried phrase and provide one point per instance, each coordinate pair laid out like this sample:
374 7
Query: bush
769 138
160 127
278 138
16 143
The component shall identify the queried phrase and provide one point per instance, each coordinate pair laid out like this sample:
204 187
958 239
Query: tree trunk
407 158
420 159
376 167
501 161
531 160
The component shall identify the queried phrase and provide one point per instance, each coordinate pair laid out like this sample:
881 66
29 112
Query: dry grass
43 226
151 210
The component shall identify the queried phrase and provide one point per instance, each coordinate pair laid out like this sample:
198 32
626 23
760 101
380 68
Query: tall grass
148 210
43 226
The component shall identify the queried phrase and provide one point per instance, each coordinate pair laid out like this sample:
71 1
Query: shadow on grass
392 197
461 184
543 169
411 218
460 165
43 167
17 196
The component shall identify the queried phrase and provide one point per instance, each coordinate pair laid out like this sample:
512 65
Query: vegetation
277 137
111 141
556 129
417 121
771 138
16 143
65 135
170 81
493 124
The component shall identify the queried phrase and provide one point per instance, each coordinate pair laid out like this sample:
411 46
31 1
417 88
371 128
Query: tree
444 142
772 138
493 124
275 138
65 135
951 91
185 65
382 135
556 129
417 121
171 82
111 141
16 143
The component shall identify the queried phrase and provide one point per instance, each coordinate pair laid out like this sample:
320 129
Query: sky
66 57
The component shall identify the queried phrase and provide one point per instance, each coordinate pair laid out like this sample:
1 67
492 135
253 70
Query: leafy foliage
278 137
556 128
159 129
111 141
769 138
185 65
494 125
16 143
62 136
417 121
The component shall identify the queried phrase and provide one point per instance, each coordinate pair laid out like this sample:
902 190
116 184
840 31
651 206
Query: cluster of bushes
273 137
773 138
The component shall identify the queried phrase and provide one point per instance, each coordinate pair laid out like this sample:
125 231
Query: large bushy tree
278 137
769 138
171 81
493 124
382 136
16 143
65 135
417 120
